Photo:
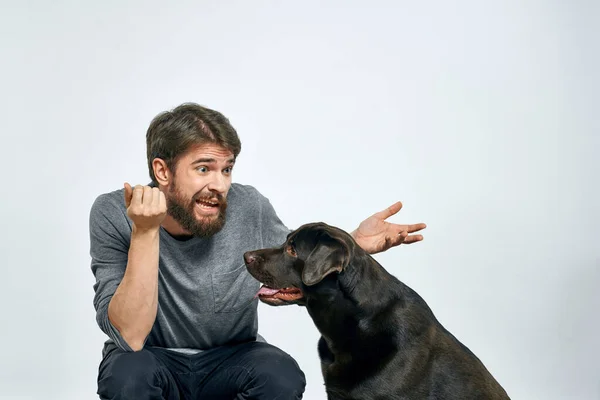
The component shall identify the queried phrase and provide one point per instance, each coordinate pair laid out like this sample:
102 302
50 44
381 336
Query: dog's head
310 254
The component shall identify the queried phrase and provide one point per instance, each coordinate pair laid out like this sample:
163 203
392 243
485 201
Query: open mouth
207 205
288 294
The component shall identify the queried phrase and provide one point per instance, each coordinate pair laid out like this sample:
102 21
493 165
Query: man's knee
128 375
277 371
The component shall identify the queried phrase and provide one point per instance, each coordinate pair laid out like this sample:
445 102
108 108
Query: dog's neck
363 278
343 300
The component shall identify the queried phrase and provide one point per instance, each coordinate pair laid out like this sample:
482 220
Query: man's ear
329 255
161 171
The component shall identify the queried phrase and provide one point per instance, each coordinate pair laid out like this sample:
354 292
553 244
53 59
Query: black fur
379 339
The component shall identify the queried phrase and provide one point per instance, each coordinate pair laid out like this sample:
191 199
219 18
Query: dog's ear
329 255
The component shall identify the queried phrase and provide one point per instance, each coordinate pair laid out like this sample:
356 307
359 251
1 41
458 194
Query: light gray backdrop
481 116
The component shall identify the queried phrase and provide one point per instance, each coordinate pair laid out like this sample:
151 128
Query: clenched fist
146 206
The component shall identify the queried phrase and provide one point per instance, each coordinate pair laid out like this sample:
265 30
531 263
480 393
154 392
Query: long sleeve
273 230
110 234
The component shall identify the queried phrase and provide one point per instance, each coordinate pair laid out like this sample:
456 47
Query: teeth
209 203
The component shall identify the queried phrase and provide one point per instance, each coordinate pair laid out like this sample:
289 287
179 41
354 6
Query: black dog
379 338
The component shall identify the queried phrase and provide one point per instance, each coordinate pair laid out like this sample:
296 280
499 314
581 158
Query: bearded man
172 292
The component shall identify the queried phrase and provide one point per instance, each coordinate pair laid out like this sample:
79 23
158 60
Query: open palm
375 234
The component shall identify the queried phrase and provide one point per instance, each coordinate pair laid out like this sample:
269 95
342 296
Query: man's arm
132 309
126 268
374 234
273 231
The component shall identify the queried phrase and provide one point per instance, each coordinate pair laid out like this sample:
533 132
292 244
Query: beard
183 211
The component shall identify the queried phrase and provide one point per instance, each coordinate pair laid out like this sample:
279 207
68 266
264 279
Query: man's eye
202 169
228 170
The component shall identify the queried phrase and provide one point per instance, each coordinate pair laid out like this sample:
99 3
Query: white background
481 116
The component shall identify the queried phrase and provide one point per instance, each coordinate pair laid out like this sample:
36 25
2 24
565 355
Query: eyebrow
211 161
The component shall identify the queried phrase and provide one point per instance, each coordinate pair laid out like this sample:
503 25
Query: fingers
147 196
162 201
413 239
404 238
138 193
416 227
408 228
159 202
146 206
155 197
397 239
140 196
388 212
127 194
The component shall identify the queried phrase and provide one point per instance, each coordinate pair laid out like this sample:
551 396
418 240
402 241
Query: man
172 291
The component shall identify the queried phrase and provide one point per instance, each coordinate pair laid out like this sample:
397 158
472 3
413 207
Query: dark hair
171 133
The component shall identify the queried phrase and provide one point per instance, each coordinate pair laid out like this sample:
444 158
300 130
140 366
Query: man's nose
218 184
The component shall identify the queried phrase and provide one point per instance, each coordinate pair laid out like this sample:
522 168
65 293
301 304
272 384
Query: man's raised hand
146 206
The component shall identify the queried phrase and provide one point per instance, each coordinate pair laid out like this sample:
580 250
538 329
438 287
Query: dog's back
453 371
400 350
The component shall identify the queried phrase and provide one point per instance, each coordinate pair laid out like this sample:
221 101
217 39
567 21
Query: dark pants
251 370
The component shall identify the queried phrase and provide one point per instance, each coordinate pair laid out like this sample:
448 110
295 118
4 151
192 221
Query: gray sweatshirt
206 297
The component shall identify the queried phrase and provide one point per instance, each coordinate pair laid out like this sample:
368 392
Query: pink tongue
267 291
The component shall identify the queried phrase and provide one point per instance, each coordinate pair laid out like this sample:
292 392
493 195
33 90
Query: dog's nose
249 257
